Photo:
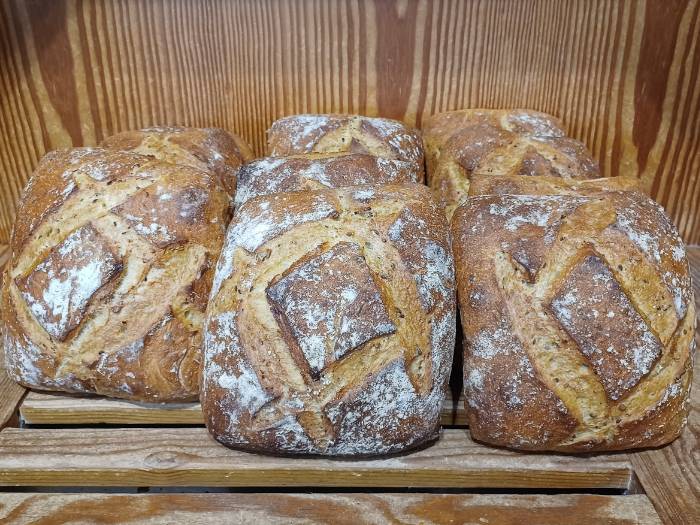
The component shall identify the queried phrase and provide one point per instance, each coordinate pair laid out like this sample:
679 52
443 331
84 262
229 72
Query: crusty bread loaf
316 171
478 150
330 328
439 128
481 184
112 261
380 137
578 319
207 149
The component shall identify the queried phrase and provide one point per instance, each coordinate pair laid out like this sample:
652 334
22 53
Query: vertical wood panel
624 75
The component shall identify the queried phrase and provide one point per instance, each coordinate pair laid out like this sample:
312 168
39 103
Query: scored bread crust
331 325
380 137
481 184
208 149
578 318
315 171
112 261
439 128
486 151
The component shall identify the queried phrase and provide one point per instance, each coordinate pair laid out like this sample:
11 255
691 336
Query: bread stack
321 320
309 152
575 296
113 255
331 322
468 143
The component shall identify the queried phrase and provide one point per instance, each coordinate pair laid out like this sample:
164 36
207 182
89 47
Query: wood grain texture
671 475
336 509
623 75
40 408
189 457
11 393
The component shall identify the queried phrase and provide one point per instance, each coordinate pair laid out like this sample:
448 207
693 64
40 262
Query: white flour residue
243 392
488 344
376 423
646 242
305 130
70 287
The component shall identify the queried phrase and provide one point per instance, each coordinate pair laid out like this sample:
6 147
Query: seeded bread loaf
112 261
330 329
578 320
207 149
439 128
316 171
379 137
499 142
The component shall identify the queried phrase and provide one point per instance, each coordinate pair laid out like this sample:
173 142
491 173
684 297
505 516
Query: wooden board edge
40 408
582 509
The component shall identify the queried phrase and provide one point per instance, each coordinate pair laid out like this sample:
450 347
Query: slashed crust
578 319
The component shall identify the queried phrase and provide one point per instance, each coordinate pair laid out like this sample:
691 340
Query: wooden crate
623 76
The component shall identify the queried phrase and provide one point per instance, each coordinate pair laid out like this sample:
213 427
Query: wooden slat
671 475
336 509
189 457
11 394
4 255
623 75
58 409
40 408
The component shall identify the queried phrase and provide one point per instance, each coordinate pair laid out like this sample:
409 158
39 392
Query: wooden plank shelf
339 509
188 457
40 408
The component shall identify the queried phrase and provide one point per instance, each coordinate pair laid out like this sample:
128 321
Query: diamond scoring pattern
590 305
328 323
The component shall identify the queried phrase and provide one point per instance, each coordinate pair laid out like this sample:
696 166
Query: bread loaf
319 171
578 319
439 128
330 328
515 185
380 137
207 149
112 262
470 142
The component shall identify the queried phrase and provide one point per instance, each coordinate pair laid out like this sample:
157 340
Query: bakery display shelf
53 445
60 442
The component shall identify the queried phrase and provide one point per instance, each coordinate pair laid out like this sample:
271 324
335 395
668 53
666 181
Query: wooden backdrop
624 75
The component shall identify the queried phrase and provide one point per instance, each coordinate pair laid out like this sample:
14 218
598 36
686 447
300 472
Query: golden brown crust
578 319
488 152
331 325
482 184
316 171
112 261
439 128
462 144
207 149
380 137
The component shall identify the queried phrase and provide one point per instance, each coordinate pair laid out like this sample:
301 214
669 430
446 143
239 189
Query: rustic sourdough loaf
330 328
380 137
499 143
578 320
315 171
112 263
207 149
439 128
